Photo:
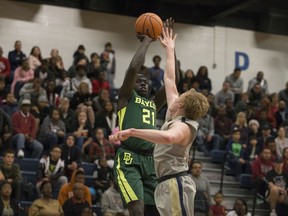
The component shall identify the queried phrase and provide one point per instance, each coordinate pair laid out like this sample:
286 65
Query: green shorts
135 176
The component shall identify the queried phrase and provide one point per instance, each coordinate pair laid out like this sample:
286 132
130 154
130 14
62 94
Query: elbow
172 139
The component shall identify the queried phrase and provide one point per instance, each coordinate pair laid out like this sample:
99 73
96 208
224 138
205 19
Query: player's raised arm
137 61
167 40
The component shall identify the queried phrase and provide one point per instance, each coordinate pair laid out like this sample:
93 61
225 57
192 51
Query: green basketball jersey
140 113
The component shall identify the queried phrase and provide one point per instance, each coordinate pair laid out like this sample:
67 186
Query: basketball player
175 192
134 166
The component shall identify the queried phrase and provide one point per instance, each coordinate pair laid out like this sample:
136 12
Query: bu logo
127 158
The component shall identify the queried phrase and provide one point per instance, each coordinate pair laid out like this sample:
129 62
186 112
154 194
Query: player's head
141 85
194 104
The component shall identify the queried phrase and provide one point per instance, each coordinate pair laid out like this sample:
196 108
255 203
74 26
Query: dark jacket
13 205
72 208
11 173
5 123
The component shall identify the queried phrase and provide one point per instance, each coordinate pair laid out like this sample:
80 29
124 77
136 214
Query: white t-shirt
233 213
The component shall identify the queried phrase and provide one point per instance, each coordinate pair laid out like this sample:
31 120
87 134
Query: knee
62 180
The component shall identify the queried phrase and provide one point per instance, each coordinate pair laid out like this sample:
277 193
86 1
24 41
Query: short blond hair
195 104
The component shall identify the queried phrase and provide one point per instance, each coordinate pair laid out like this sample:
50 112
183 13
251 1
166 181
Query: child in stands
218 209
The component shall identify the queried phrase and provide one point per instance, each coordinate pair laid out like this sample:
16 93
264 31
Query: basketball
149 24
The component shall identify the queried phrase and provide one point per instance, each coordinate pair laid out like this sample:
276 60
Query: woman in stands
8 206
35 58
46 205
240 208
241 124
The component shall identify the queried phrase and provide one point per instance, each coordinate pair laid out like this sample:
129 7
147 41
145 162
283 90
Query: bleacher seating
28 164
217 156
89 168
29 176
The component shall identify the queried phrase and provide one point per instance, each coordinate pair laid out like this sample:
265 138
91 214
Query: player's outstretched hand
167 37
119 136
143 37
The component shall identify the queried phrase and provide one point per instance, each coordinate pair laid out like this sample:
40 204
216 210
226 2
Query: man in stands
24 131
66 190
10 172
277 184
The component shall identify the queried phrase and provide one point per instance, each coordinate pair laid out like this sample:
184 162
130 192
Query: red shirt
4 67
218 210
97 85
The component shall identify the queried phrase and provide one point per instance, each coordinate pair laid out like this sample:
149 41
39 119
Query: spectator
102 177
111 201
33 91
83 132
274 100
99 83
5 130
251 153
223 94
230 110
282 114
56 66
75 205
281 142
222 125
186 82
253 127
283 95
206 138
107 118
261 166
255 95
80 53
16 56
35 58
52 130
66 190
241 105
240 209
241 124
277 185
102 147
265 134
82 101
40 110
4 66
11 106
285 160
236 154
8 206
259 79
51 168
80 78
108 62
236 83
67 115
10 172
3 91
25 132
44 72
71 155
94 67
202 197
218 209
23 74
79 60
51 94
204 81
46 205
100 99
270 144
156 74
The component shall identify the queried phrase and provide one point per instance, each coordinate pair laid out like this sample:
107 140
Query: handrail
222 171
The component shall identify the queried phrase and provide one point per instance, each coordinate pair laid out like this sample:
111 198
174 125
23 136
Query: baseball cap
235 129
26 102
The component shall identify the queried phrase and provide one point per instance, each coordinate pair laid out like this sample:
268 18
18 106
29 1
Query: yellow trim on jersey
127 191
174 197
121 115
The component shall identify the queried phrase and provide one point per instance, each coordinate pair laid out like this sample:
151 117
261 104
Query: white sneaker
20 154
273 213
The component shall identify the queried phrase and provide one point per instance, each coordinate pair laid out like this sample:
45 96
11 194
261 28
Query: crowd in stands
63 116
